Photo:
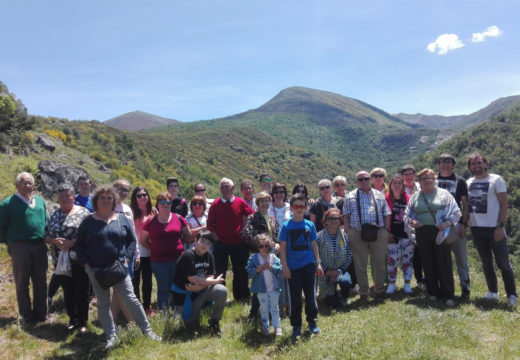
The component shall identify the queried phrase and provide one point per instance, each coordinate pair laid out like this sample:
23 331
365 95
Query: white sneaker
512 301
391 288
450 303
491 296
407 288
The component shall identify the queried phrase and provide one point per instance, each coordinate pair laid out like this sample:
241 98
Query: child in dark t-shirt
195 284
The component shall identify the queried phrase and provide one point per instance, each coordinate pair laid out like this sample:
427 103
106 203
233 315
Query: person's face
266 184
264 247
84 187
226 190
300 190
325 189
427 182
263 205
409 177
142 198
200 190
105 202
173 188
25 186
377 179
164 206
65 200
340 187
279 195
123 191
446 166
363 180
202 246
197 207
298 208
332 222
396 186
247 191
477 166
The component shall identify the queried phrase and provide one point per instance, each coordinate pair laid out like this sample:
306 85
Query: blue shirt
298 235
86 202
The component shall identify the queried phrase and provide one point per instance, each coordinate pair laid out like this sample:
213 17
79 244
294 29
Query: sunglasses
361 179
378 175
266 180
140 196
324 187
299 207
279 192
198 203
123 190
164 202
264 246
340 185
200 190
333 218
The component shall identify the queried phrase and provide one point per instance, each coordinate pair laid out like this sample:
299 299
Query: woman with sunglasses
336 257
377 179
280 208
322 204
164 233
142 208
197 219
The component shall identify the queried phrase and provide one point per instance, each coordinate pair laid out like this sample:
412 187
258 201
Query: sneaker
491 296
343 302
111 342
214 327
314 329
354 290
278 331
265 330
512 301
391 288
296 332
153 336
450 303
421 286
465 294
407 288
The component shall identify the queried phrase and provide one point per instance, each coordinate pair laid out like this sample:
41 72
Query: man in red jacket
226 220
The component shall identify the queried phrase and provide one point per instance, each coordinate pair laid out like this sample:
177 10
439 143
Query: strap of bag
428 206
119 233
358 198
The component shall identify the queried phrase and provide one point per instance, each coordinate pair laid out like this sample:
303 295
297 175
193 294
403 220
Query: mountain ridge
139 120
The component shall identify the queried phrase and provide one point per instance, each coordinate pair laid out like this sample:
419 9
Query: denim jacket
258 282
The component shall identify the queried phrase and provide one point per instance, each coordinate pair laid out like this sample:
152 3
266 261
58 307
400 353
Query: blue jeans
486 247
345 284
163 272
269 304
304 279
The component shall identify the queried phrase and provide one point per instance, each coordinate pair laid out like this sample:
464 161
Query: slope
138 120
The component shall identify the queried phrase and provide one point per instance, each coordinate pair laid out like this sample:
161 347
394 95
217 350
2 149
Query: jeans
145 269
216 293
125 291
460 250
239 255
269 305
486 247
30 263
304 279
163 272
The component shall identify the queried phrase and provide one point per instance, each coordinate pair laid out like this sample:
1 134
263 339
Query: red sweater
226 219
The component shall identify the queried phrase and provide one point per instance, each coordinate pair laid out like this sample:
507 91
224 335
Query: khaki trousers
377 251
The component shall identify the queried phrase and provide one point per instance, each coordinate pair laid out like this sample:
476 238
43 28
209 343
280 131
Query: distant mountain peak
139 120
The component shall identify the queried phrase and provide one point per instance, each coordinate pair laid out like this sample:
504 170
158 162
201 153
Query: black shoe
214 327
465 294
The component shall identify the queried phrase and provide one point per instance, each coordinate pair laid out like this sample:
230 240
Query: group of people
284 244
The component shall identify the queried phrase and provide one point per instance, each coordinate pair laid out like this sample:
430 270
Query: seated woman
334 248
197 219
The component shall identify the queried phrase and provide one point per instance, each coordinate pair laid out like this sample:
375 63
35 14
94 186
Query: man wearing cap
456 185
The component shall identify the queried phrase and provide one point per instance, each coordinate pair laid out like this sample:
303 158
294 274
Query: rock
45 143
53 174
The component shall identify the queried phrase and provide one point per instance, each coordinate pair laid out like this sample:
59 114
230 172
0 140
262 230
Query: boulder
53 174
45 143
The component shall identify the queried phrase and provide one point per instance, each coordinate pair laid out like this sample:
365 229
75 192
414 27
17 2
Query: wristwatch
501 224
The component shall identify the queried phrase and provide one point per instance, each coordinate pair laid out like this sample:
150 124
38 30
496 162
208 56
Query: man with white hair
226 220
22 225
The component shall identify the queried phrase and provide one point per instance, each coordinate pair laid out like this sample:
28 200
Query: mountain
139 120
460 121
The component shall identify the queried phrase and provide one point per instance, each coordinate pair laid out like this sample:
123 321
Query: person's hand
137 263
499 234
415 224
219 279
67 244
333 274
443 225
59 242
259 268
390 238
287 273
319 270
462 231
267 266
192 287
276 248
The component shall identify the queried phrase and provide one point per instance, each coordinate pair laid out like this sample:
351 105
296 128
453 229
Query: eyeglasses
361 179
333 218
27 183
123 190
164 202
265 180
200 190
264 246
446 161
197 203
426 179
409 174
299 207
140 196
324 187
107 198
340 185
279 192
378 175
266 200
247 188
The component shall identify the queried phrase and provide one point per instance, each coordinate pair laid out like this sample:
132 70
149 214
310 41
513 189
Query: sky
198 60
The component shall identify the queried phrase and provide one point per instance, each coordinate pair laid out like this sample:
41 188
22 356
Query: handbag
114 273
63 266
368 230
452 235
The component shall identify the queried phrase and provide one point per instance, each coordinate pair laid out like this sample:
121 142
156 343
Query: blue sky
196 60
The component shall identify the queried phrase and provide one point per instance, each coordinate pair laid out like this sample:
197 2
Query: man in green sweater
22 223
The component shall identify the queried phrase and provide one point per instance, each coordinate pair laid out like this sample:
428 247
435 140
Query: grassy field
401 327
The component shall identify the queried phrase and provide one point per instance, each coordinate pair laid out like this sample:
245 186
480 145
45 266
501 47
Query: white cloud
492 31
445 43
